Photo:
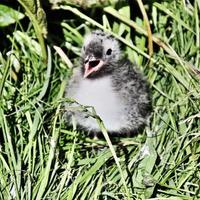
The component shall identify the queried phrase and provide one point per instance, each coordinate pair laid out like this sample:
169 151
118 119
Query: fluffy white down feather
99 94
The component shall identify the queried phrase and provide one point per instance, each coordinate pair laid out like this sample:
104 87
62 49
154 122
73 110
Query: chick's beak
92 64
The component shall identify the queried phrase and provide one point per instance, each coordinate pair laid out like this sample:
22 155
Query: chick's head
100 54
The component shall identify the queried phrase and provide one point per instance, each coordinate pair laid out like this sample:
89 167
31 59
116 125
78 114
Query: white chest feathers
99 93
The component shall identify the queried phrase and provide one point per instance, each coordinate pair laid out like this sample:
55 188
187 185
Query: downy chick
112 85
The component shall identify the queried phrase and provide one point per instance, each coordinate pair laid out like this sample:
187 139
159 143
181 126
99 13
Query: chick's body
117 91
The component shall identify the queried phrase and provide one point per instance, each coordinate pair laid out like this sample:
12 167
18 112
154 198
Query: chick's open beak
91 65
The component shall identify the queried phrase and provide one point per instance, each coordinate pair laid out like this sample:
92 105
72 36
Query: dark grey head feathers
100 52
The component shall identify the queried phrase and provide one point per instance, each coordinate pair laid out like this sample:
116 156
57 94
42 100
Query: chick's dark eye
108 52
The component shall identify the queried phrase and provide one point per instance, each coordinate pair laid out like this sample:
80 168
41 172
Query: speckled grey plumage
113 85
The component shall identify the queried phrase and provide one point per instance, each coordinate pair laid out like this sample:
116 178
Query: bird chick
112 85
